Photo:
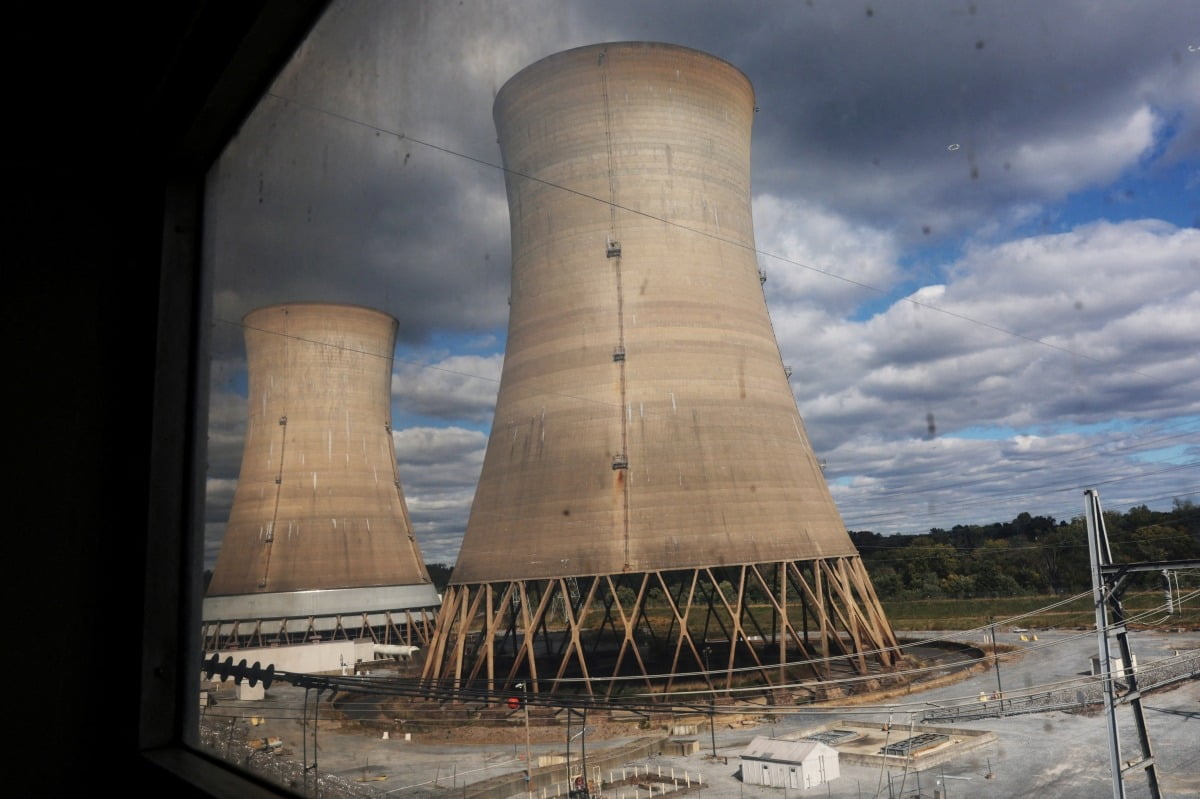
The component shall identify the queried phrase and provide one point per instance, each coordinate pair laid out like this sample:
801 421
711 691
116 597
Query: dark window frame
226 57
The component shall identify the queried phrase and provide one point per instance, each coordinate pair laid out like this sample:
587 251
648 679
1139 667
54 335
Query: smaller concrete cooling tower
319 542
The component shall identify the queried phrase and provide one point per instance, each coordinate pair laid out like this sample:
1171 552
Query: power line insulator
227 670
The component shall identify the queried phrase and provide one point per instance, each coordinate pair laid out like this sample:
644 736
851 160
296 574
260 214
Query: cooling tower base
384 614
665 632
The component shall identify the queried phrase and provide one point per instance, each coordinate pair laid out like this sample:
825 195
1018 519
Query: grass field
1141 608
965 614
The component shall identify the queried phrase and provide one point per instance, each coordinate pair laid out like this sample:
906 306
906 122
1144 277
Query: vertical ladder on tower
613 253
1107 587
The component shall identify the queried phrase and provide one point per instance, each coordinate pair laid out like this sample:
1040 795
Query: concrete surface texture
644 421
644 418
1059 753
319 527
318 502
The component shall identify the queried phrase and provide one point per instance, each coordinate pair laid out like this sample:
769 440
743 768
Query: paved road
1054 754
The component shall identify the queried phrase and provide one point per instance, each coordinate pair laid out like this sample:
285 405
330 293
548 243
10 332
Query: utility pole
996 665
528 762
1108 584
316 720
712 728
577 788
304 731
583 756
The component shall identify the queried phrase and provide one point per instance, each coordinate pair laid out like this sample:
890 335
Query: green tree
1156 542
1064 558
439 573
959 586
888 584
626 596
993 566
941 559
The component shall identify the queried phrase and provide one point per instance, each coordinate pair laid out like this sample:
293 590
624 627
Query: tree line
1028 555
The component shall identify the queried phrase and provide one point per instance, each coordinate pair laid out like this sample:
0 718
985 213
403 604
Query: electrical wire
402 136
653 702
858 520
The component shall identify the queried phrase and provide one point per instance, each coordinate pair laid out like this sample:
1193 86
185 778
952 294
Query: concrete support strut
409 626
708 630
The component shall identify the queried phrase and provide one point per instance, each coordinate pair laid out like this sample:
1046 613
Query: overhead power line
402 136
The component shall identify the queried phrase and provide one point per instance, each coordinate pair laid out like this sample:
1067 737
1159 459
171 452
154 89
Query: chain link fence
232 741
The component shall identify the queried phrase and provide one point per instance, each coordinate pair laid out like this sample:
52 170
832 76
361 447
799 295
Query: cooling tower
318 542
648 479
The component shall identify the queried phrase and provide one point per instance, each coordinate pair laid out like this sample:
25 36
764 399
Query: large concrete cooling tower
648 478
319 542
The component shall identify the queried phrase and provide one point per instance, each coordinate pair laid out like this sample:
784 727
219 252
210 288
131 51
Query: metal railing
1078 695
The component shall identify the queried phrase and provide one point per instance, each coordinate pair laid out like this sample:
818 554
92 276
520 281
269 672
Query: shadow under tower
650 513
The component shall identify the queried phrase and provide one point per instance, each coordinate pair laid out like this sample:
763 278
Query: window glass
978 223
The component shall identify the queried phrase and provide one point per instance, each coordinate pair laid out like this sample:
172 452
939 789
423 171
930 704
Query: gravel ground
1058 753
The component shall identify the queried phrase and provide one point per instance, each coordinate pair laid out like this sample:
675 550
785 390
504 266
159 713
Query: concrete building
781 763
648 474
319 544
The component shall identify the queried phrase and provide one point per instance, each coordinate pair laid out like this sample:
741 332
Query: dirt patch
468 724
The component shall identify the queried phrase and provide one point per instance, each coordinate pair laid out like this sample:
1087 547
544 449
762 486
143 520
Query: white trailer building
788 764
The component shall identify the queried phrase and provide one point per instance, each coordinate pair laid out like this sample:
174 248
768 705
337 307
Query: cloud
1090 327
1060 164
912 485
911 152
371 226
824 260
439 468
226 435
936 117
426 446
459 387
1025 323
369 174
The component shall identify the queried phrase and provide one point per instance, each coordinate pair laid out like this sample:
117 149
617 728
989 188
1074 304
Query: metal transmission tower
649 490
1108 585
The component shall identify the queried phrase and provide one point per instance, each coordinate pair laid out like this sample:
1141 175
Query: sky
979 222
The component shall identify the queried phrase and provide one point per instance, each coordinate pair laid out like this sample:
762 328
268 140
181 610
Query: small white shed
781 763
